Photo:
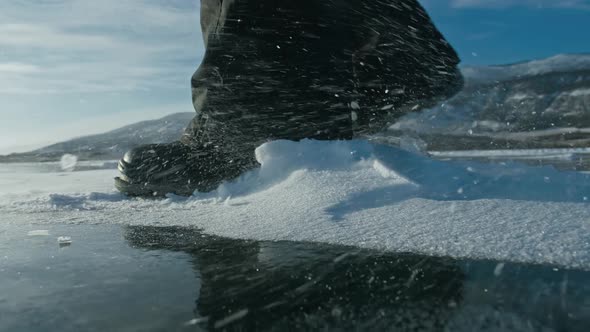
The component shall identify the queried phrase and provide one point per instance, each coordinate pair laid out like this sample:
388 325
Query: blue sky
75 67
508 31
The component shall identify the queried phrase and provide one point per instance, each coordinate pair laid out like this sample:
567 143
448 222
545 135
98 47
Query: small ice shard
68 162
64 240
38 232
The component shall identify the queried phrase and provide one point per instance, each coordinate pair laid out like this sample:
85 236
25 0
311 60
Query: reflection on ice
251 285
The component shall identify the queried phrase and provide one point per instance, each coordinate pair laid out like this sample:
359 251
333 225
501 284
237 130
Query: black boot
205 156
178 168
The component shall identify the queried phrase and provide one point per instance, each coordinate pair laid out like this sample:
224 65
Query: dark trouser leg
280 69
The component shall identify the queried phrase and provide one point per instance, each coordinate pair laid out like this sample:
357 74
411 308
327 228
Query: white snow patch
383 170
519 97
566 154
346 192
38 232
580 92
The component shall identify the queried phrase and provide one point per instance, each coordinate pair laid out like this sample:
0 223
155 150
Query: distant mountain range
535 104
110 145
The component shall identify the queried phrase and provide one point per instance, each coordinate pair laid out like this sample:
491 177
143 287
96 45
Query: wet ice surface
346 193
143 278
97 283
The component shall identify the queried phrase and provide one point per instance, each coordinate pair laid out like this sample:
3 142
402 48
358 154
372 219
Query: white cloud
67 46
74 67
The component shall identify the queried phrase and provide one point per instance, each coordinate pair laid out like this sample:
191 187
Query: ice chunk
64 240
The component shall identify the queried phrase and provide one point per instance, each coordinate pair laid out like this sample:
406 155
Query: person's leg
270 72
282 69
308 68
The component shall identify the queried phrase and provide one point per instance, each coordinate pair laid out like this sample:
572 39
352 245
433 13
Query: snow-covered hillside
560 63
112 144
352 193
542 103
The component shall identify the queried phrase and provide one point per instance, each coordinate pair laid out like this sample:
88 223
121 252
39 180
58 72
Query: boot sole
149 190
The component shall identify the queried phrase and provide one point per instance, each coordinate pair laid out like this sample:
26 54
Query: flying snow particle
231 318
196 321
498 270
68 162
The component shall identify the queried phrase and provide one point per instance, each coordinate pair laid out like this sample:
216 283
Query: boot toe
155 170
145 153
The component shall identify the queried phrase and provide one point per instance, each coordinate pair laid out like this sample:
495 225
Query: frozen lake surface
325 235
143 278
